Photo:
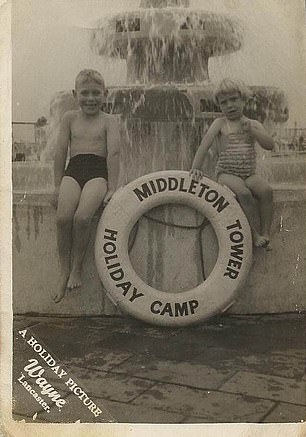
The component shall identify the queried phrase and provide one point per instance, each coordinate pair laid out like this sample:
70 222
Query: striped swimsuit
238 156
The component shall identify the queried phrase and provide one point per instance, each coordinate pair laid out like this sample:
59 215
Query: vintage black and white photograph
158 212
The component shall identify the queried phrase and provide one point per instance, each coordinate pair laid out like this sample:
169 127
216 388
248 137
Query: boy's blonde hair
227 86
89 76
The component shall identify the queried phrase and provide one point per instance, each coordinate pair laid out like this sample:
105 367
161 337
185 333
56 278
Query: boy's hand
108 196
54 199
196 174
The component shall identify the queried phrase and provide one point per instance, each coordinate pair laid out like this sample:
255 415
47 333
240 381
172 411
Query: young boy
237 157
90 177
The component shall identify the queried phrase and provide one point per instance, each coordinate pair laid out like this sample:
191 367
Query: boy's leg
68 200
264 194
244 196
91 198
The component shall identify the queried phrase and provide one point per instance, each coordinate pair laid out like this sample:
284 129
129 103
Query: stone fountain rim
195 86
184 11
108 18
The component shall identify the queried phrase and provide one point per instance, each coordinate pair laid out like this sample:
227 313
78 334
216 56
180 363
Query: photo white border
11 428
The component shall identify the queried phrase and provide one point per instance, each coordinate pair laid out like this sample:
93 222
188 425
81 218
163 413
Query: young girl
237 157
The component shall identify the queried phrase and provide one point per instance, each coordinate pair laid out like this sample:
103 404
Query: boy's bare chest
89 132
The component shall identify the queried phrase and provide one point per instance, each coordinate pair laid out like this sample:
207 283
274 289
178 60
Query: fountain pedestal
275 283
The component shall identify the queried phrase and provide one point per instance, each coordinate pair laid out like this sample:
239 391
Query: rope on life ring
130 292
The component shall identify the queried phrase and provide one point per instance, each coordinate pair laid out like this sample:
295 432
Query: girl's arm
260 135
206 142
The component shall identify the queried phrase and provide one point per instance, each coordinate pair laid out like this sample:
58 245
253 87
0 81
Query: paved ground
230 369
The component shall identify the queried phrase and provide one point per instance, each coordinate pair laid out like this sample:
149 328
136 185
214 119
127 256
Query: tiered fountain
164 109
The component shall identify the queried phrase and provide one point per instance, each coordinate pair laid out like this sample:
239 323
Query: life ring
130 292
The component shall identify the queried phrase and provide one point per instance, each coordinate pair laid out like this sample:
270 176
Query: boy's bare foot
62 285
74 280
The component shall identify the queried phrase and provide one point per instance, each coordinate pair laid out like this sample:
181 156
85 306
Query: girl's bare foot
74 280
267 244
262 241
257 239
62 285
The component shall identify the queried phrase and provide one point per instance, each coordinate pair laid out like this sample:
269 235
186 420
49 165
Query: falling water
166 45
168 97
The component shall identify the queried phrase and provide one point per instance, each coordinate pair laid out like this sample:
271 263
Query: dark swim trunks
85 167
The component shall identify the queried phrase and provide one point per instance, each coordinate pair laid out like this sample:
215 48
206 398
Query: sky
50 41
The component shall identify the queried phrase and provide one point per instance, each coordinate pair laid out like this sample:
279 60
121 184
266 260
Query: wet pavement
229 369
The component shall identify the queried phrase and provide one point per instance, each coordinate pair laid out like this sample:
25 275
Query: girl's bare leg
67 204
91 198
245 198
264 195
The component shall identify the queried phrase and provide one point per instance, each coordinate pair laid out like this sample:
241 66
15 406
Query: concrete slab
101 359
75 411
182 373
173 349
221 358
127 325
22 322
267 387
111 386
144 330
288 326
227 339
104 323
293 317
212 407
285 413
119 412
290 364
150 374
69 339
124 412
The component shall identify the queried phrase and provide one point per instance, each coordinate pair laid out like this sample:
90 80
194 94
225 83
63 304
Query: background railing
29 140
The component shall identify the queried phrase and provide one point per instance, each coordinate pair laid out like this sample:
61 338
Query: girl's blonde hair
227 86
88 76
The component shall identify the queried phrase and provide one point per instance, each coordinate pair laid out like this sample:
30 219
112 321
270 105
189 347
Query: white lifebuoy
136 297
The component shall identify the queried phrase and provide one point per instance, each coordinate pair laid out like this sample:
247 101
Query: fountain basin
33 177
275 283
283 172
178 103
219 32
166 44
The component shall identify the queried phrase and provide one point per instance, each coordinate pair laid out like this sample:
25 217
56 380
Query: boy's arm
260 135
61 149
113 153
206 142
